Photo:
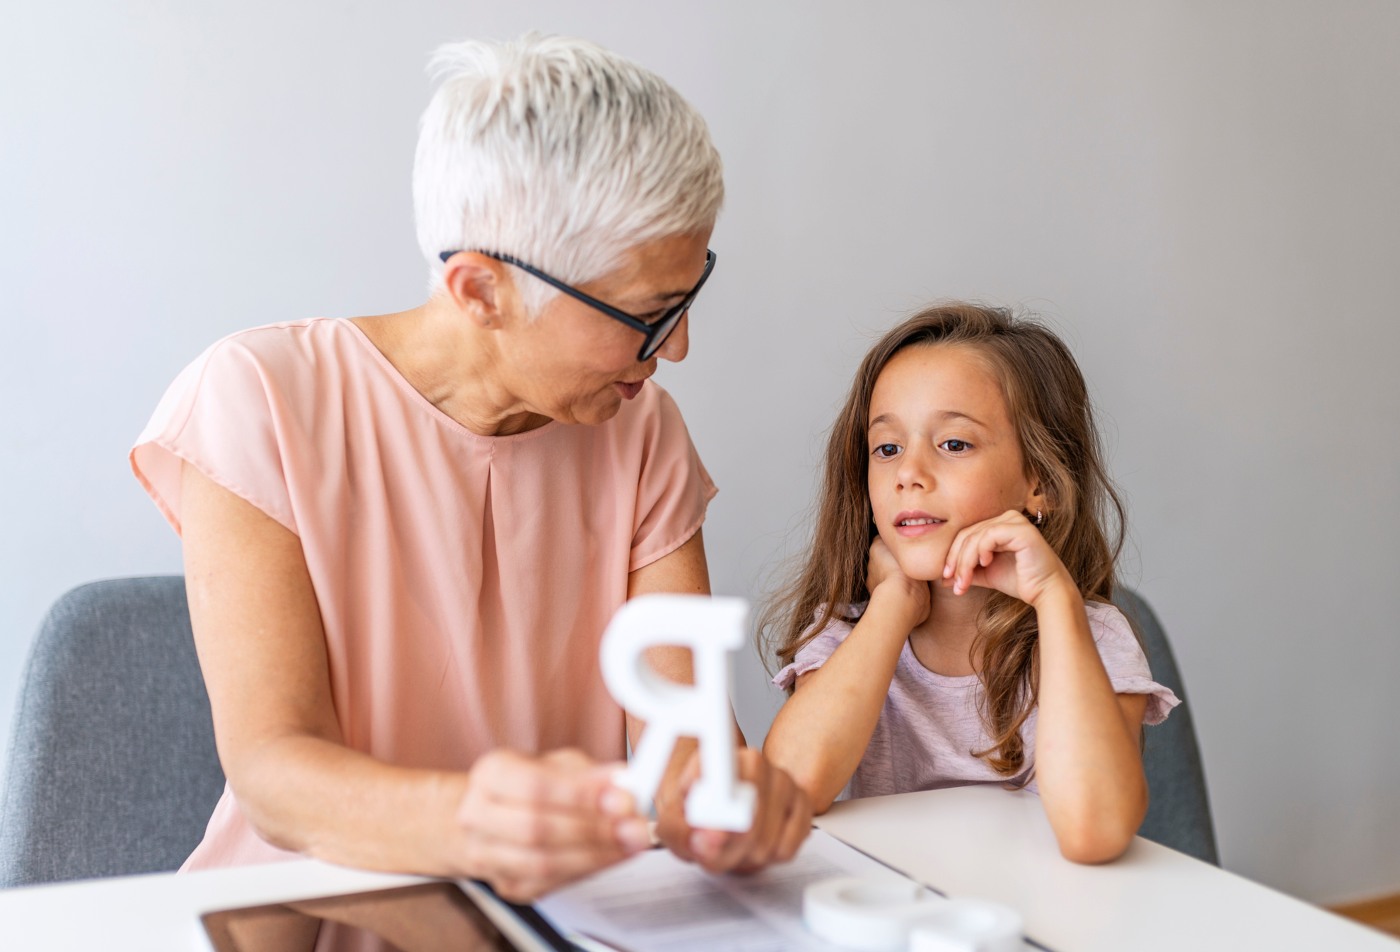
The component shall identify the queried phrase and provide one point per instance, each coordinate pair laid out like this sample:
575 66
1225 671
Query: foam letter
710 628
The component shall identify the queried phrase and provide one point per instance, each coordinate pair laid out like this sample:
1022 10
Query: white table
987 843
978 842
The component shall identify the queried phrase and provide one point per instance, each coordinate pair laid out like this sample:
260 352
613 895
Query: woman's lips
629 390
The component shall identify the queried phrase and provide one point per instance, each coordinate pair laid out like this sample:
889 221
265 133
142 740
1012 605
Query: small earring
1039 518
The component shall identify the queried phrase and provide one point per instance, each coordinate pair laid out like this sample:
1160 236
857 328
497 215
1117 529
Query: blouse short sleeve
221 416
1125 662
674 489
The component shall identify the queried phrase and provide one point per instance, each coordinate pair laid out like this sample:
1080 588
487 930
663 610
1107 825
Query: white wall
1204 198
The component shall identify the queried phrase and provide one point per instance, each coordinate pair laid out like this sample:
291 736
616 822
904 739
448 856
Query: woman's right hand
533 823
883 573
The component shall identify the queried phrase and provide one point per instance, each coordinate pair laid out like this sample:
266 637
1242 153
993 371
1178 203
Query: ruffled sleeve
1126 664
814 653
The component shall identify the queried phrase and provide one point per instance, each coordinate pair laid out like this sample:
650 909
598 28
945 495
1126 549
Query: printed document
655 902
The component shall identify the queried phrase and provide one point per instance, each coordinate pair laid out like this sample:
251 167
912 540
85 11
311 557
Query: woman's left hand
782 819
1008 554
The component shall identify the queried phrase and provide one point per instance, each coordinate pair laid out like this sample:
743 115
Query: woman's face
943 454
574 363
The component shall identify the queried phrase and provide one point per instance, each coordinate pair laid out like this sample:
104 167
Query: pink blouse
464 581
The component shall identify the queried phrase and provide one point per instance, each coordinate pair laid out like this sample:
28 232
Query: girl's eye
886 451
956 446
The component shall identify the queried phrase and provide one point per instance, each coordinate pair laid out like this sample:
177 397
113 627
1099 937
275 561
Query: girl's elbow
1099 836
1092 847
820 804
808 773
818 793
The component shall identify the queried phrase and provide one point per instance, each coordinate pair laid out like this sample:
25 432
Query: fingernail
617 802
633 835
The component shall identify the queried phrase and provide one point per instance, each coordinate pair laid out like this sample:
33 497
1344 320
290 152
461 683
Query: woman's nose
678 344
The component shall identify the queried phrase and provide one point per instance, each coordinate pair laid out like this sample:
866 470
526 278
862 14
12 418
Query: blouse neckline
423 402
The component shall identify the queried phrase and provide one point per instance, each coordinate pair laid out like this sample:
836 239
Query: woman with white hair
404 534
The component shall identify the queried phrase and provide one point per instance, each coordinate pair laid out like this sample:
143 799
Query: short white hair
559 153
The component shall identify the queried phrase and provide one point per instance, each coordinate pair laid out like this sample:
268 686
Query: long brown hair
1049 407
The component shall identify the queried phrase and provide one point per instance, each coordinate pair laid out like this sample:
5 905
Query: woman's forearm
821 733
315 796
526 823
1088 761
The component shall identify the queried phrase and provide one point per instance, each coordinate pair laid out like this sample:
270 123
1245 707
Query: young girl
959 581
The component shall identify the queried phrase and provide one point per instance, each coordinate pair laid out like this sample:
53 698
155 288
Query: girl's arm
525 823
1088 762
1088 759
821 733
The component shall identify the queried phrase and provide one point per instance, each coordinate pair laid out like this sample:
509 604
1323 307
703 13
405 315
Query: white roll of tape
968 925
872 915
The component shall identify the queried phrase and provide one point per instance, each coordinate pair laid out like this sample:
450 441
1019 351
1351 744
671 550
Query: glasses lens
663 329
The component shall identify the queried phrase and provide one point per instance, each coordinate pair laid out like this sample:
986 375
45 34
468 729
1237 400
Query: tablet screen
428 917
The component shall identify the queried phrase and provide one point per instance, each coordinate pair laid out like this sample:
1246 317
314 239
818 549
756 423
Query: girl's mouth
909 524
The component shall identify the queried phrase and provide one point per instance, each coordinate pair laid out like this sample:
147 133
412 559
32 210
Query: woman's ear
477 285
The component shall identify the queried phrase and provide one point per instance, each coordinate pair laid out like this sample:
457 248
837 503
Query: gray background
1202 197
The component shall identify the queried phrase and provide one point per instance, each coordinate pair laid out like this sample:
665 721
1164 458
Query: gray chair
112 768
1179 813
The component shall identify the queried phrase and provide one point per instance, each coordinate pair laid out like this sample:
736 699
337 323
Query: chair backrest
112 766
1179 812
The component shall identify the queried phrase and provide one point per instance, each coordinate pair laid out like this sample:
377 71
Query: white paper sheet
655 902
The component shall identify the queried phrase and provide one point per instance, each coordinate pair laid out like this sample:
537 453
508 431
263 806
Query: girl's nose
914 472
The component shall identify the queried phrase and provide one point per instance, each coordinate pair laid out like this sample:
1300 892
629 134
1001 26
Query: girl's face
943 454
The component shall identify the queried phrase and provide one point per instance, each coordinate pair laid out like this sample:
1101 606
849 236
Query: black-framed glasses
654 334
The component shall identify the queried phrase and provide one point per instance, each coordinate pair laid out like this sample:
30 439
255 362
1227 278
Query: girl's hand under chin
1006 553
883 572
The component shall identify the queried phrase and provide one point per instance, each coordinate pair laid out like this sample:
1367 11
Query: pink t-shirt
463 581
930 724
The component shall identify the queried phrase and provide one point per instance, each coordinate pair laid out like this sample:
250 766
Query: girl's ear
1037 500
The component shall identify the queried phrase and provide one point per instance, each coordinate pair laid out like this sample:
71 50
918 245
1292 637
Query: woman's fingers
792 821
782 820
530 826
520 874
671 827
564 779
532 823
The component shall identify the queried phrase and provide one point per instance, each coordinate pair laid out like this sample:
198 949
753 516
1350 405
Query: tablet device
425 917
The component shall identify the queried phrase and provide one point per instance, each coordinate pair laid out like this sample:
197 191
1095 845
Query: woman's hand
781 821
911 597
531 824
1008 554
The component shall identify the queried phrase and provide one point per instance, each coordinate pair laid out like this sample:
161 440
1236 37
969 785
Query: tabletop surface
973 842
982 842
